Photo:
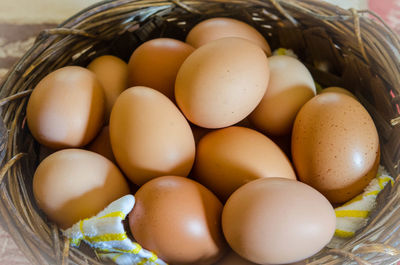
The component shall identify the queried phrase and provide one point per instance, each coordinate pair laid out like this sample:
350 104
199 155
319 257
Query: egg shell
102 144
229 158
290 86
233 259
178 219
338 90
112 72
73 184
335 146
66 108
221 27
277 221
156 62
149 136
222 82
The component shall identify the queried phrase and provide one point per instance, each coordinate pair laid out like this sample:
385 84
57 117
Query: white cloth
354 214
105 233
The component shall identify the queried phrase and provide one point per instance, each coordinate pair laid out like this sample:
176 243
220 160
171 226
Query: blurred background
22 20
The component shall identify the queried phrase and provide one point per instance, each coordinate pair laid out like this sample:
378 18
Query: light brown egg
233 259
155 64
112 73
178 219
338 90
149 136
102 144
290 86
335 146
74 184
229 158
277 221
221 27
66 108
222 82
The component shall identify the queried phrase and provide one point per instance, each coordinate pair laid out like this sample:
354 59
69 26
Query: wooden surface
22 20
20 23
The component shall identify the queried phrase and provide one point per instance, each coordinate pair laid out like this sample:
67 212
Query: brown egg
149 136
155 64
335 146
229 158
221 27
102 145
277 221
338 90
74 184
233 259
290 86
66 108
112 73
178 219
222 82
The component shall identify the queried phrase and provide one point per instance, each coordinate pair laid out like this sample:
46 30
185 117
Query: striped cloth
353 215
106 234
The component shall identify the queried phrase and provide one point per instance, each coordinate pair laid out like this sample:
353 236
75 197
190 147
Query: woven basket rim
11 97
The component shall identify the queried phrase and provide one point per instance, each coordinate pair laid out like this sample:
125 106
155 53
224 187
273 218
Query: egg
233 259
222 82
221 27
66 108
178 219
155 64
290 86
277 221
338 90
112 73
149 136
335 146
102 145
229 158
73 184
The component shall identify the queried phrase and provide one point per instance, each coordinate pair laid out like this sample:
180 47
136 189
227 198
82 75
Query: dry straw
359 50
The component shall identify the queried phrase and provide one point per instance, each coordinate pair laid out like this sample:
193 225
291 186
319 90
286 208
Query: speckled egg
335 146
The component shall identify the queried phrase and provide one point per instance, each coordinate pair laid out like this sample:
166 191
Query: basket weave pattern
362 54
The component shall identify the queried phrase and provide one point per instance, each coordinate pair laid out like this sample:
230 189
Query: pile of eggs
201 127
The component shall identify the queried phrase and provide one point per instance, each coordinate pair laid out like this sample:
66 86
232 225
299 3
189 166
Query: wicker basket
361 53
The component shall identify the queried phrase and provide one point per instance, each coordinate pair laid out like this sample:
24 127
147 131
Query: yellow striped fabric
106 234
352 215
